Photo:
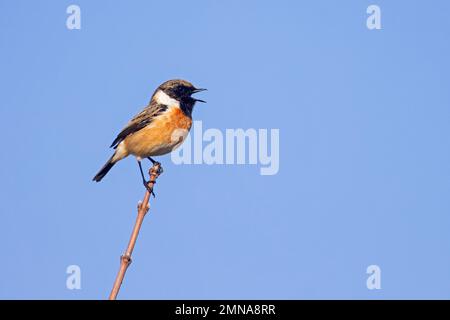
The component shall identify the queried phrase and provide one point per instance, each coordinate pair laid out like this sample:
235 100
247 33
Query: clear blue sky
364 149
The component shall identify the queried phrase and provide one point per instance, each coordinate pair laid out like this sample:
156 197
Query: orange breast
166 132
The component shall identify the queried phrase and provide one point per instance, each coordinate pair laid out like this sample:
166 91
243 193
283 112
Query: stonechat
158 129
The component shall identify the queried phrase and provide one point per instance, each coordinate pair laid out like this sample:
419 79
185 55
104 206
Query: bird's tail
104 170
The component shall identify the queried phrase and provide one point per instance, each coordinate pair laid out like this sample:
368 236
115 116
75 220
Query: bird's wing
141 120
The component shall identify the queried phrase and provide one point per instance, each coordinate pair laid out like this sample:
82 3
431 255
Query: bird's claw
154 172
160 169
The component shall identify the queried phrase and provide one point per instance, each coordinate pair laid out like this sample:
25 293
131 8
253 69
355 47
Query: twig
143 207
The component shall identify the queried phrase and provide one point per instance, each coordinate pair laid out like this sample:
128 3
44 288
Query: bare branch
143 207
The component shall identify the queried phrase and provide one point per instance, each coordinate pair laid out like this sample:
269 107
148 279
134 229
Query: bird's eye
182 90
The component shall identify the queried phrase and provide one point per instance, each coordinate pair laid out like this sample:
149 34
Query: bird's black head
180 90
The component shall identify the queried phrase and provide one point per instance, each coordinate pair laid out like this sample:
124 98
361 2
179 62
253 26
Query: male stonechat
158 129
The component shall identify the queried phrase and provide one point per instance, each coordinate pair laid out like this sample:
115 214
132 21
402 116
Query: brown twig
143 207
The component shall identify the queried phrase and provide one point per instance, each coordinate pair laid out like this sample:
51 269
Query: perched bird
158 129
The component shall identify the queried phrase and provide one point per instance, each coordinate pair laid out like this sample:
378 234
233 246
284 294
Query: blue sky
364 149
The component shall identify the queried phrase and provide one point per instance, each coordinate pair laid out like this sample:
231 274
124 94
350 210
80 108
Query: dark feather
104 170
141 120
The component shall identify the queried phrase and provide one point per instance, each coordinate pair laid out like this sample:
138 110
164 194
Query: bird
159 128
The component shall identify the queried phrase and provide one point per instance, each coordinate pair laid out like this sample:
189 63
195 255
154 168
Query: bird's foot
154 172
160 168
156 163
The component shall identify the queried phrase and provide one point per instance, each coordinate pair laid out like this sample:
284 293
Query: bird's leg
142 173
153 161
145 181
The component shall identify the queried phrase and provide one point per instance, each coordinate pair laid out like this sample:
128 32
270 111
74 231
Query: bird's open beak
199 90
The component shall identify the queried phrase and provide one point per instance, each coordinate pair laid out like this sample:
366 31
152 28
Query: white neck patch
162 98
